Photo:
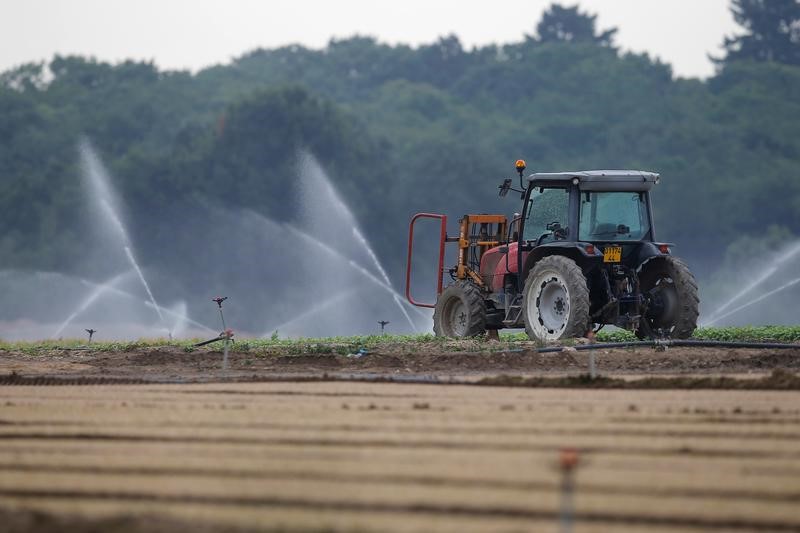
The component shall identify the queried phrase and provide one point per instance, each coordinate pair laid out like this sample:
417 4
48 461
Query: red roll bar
440 270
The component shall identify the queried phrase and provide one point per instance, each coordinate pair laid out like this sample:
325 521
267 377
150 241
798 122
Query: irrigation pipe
667 342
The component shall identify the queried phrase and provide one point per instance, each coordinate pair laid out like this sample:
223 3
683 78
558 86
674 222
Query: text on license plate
612 254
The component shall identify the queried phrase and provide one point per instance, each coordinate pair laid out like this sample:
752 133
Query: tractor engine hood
496 263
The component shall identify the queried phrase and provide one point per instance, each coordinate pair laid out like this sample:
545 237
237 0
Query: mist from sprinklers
764 291
52 305
120 306
326 217
314 274
311 276
102 195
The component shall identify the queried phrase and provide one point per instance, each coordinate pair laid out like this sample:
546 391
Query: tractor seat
604 227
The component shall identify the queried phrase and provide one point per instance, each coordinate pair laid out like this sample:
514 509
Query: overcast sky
197 33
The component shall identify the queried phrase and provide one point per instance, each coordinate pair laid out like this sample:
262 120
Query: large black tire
460 311
555 302
673 303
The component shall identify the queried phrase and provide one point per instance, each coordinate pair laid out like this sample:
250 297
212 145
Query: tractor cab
581 254
600 212
597 205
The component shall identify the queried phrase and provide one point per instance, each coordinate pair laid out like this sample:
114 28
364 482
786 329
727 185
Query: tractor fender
648 252
573 250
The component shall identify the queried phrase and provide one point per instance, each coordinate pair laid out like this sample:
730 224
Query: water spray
362 270
752 302
315 309
103 196
764 276
108 286
97 292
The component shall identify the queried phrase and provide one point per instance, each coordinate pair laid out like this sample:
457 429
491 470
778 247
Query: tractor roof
598 180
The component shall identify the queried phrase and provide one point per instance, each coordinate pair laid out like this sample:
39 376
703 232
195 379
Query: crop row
344 345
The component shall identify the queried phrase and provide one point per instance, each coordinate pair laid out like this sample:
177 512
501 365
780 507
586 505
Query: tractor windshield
547 215
613 216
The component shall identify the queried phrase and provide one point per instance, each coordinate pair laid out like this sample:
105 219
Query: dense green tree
400 130
570 25
772 31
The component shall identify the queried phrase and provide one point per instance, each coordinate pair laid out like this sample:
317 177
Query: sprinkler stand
226 334
228 337
568 461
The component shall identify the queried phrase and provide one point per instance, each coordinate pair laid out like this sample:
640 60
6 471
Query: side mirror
505 187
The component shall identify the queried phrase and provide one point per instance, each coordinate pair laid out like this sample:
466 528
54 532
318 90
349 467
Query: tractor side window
547 208
612 216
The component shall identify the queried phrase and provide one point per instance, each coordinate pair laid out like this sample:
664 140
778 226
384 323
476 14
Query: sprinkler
383 324
219 300
91 332
226 334
568 461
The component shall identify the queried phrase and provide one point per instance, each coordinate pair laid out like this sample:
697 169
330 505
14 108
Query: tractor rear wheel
672 302
555 302
460 311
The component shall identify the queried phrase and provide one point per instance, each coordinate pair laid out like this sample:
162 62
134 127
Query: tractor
582 254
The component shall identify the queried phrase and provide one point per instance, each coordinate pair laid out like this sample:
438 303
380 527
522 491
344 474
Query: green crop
345 345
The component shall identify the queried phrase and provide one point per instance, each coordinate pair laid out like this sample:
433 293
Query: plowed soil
432 360
161 439
325 456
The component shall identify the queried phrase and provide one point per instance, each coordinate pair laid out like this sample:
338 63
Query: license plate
612 254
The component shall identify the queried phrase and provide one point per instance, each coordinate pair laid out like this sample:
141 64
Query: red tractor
582 254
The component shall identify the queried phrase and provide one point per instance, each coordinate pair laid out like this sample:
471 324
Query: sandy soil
343 456
286 441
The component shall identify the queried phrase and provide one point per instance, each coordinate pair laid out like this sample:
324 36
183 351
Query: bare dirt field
452 360
198 448
394 457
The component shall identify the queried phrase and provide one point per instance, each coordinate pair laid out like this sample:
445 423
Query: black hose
549 349
728 344
671 342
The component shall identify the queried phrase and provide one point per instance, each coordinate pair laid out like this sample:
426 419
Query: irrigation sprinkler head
91 332
568 459
219 300
383 324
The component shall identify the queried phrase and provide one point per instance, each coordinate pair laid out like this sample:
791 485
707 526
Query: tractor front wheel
555 301
460 311
672 302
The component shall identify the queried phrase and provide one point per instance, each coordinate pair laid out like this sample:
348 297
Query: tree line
402 129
